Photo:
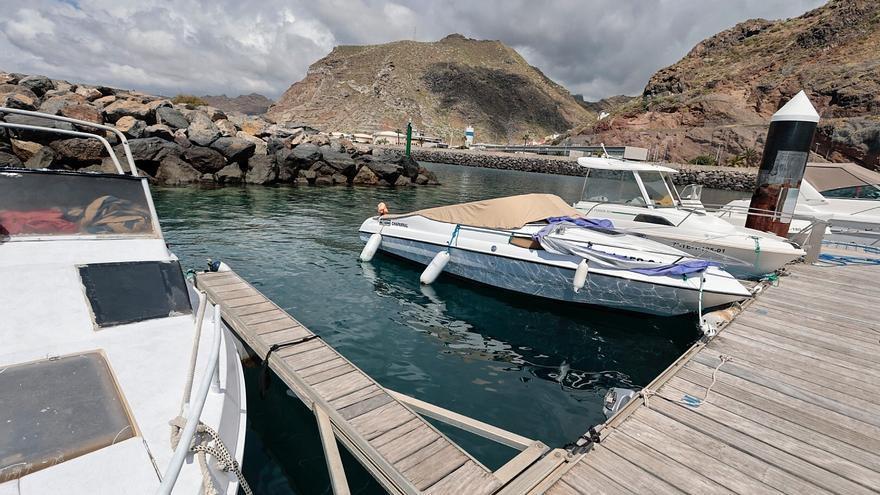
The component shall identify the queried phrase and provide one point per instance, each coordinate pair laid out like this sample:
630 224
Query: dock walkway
403 451
785 399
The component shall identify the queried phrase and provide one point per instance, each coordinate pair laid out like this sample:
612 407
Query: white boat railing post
193 414
814 241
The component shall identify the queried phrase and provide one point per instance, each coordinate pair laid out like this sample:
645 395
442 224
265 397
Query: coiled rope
209 442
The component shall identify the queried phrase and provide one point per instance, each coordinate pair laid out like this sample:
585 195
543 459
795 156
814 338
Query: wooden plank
589 481
520 462
720 473
433 469
808 319
796 304
724 453
253 309
662 466
253 319
365 406
365 393
244 301
310 357
218 280
378 421
273 326
820 337
417 455
331 453
768 453
563 488
782 425
318 368
330 374
469 479
397 432
815 417
288 353
227 290
288 335
342 385
797 388
409 444
625 473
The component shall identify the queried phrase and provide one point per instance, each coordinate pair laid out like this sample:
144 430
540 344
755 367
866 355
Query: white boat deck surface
794 406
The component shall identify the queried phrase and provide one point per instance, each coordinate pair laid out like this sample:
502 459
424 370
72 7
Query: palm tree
750 157
526 138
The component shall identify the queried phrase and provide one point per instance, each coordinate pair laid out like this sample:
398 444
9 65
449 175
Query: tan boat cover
511 212
827 176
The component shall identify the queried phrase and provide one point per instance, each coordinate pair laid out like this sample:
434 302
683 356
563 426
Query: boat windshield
613 186
41 203
866 191
657 189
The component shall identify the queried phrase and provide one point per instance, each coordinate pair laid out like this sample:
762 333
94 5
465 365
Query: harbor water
534 367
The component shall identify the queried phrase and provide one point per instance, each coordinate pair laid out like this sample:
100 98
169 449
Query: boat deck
403 451
785 399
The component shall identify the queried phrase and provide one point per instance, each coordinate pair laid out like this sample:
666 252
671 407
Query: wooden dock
384 430
785 399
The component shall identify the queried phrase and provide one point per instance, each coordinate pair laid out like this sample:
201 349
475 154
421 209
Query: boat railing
192 410
83 123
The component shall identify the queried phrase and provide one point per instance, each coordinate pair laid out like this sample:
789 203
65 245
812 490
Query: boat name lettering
392 223
689 247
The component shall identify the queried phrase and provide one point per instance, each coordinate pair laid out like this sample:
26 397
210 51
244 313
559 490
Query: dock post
408 137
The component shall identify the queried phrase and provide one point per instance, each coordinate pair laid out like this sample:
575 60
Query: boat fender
434 268
223 267
372 245
218 266
580 275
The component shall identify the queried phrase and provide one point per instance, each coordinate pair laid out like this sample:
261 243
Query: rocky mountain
605 104
252 104
442 86
716 101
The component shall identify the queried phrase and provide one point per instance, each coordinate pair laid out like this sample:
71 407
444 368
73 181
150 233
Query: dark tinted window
855 192
651 219
56 409
50 203
128 292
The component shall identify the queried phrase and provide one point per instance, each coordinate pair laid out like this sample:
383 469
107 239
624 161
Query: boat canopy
593 162
511 212
828 176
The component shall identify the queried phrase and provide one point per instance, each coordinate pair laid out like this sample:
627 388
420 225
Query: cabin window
121 293
613 186
866 191
56 409
45 203
656 188
652 219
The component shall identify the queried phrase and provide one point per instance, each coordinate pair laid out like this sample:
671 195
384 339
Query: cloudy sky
596 47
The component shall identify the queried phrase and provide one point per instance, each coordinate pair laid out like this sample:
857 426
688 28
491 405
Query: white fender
372 245
223 267
434 268
580 275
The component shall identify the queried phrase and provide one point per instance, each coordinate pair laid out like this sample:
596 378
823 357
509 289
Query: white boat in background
508 243
845 195
105 342
640 199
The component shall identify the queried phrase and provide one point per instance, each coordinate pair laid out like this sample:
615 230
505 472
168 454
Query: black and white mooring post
782 165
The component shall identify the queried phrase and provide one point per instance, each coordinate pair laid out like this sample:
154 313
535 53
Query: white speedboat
844 195
532 244
106 345
640 199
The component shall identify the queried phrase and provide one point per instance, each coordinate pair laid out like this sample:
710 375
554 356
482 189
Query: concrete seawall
733 179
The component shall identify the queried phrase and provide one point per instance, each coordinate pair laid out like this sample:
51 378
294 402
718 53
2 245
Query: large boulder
230 174
171 117
160 131
38 84
205 160
18 101
260 147
307 153
83 112
9 160
131 127
38 136
88 92
226 127
174 171
261 170
340 161
387 171
78 151
127 108
55 104
104 101
365 176
201 129
410 166
235 149
24 150
150 149
43 158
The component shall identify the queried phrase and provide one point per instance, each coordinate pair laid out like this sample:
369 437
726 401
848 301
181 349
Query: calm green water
534 367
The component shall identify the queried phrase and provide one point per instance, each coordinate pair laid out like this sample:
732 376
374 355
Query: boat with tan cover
538 245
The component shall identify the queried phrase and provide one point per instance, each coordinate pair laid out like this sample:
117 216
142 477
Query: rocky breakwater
713 177
177 144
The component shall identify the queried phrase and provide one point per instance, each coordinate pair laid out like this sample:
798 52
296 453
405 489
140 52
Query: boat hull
555 282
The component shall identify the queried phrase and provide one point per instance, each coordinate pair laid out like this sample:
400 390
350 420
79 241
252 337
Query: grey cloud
598 48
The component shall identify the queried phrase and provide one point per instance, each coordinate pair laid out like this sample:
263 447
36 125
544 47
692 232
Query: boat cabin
610 180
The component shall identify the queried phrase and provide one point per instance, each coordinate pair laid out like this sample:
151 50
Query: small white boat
509 243
105 343
640 199
845 195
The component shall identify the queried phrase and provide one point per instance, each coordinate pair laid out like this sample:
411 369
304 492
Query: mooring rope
225 461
